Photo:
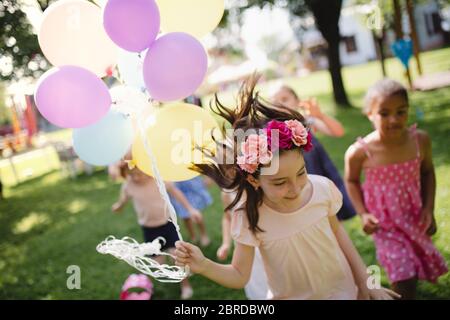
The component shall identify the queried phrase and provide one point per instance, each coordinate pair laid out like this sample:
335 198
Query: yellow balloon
72 33
196 17
172 132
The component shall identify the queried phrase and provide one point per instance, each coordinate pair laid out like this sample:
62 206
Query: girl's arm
179 196
323 123
123 199
329 126
357 265
428 183
222 252
234 275
354 158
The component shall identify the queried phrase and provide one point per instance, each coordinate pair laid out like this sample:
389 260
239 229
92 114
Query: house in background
358 45
429 26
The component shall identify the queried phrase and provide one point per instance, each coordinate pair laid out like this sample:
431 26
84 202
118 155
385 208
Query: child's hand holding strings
370 223
191 255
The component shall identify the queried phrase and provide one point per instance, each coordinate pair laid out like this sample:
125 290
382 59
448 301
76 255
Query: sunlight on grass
33 220
76 206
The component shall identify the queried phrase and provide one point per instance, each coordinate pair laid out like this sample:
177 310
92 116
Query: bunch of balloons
154 46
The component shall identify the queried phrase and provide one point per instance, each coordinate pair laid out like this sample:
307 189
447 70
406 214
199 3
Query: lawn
52 222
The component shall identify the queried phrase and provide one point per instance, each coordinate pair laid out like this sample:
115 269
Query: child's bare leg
190 229
406 288
186 288
204 239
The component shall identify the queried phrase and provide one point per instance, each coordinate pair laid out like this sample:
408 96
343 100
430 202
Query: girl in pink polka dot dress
396 201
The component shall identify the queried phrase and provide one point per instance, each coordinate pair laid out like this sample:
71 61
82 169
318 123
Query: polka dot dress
392 193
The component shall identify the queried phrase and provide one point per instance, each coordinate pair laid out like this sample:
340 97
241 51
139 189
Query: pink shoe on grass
137 281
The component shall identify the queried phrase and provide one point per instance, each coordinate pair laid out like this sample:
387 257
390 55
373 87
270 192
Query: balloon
132 24
72 33
130 65
171 132
403 50
128 100
174 66
106 141
72 97
196 17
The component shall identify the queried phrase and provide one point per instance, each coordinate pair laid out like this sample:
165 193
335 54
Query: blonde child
396 201
151 211
288 215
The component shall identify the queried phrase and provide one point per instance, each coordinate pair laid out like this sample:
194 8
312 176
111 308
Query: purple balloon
72 97
132 24
174 66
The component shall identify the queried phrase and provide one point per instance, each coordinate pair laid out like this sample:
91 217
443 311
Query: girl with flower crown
318 161
288 215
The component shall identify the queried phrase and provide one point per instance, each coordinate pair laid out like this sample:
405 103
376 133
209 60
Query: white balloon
128 100
130 65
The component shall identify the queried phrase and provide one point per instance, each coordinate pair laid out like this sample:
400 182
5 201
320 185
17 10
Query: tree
326 14
19 48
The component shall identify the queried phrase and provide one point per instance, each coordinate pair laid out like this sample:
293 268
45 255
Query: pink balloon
72 97
174 66
132 24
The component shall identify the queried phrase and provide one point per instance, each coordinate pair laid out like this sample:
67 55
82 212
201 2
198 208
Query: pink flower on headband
299 132
255 151
284 135
290 132
308 146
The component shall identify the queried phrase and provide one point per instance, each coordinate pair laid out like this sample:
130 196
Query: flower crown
257 148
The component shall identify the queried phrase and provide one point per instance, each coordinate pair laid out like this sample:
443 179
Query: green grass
51 222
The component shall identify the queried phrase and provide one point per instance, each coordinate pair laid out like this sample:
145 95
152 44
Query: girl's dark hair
383 89
252 112
123 169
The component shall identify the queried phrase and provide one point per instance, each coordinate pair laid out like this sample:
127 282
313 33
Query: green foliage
18 43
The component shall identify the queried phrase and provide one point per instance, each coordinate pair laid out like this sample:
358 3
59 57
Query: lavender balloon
174 66
72 97
132 24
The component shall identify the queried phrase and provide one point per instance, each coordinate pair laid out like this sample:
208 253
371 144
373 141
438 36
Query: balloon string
159 182
137 256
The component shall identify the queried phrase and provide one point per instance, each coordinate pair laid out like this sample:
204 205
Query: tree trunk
327 14
334 66
414 37
379 41
398 20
